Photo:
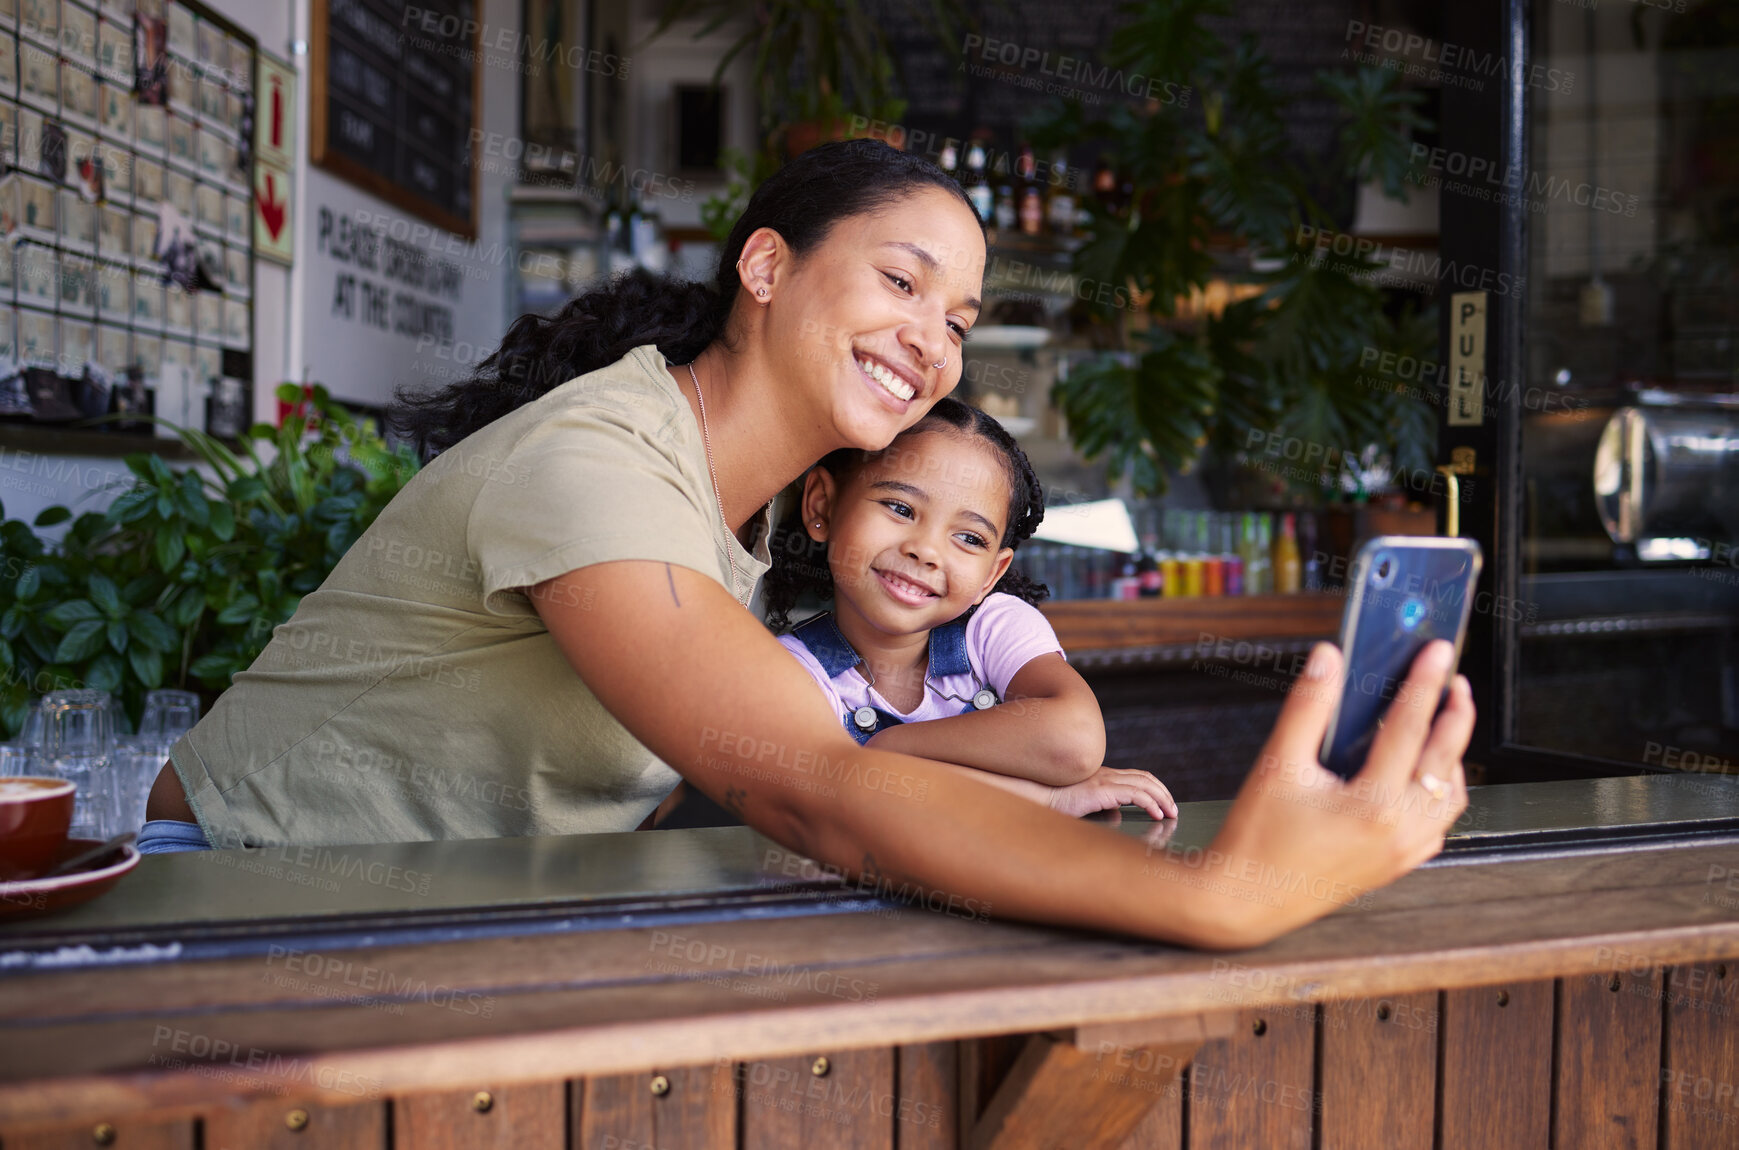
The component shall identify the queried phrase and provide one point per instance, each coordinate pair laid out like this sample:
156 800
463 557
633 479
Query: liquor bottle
1312 557
1060 210
1105 187
1006 211
977 181
1028 193
1288 573
949 160
1147 569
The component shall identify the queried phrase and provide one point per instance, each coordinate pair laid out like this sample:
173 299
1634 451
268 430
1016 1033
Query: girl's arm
699 680
1049 729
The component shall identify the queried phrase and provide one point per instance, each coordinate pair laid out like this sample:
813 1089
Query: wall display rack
98 156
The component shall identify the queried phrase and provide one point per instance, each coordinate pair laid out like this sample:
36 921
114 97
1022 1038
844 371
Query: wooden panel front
1700 1073
292 1125
1256 1088
531 1116
927 1082
1379 1073
1497 1067
1608 1026
1659 1053
137 1134
846 1103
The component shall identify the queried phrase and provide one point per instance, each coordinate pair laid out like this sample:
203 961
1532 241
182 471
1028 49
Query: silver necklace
707 443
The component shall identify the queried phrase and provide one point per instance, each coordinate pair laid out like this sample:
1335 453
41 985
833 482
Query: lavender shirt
1003 635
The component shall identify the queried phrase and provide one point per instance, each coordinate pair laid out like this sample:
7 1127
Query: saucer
41 895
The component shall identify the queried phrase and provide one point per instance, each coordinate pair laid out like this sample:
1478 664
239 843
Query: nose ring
940 366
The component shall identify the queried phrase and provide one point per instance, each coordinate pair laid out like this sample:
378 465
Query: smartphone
1403 591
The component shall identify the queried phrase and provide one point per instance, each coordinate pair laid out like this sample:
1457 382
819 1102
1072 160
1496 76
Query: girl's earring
762 292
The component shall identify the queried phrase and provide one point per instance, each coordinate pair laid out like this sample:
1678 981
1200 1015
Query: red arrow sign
271 207
277 114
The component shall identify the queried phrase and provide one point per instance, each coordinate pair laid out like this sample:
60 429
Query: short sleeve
1004 635
600 479
802 655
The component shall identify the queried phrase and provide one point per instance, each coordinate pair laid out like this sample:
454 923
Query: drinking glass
15 760
168 715
78 744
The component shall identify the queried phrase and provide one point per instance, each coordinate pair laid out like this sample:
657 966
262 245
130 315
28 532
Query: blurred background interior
1223 242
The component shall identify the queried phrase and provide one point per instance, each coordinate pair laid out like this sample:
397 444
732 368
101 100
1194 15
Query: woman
554 609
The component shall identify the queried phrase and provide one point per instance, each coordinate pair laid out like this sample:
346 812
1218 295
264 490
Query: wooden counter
1545 995
1105 632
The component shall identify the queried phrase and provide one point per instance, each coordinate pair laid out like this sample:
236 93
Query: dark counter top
206 904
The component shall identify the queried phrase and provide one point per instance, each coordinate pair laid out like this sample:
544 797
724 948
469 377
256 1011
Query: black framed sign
393 97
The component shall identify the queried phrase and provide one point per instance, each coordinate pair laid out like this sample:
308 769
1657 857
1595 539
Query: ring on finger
1433 785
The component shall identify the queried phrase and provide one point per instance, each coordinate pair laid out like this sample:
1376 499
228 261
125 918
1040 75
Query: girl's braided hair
800 564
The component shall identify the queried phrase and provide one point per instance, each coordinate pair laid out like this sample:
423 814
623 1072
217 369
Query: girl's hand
1108 788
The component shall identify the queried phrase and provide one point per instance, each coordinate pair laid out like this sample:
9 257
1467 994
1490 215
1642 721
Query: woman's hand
1303 839
1108 789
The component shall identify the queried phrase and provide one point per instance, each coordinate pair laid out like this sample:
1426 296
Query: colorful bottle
1288 571
1227 544
1264 552
1213 565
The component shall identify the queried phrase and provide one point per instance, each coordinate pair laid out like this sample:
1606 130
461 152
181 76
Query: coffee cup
34 816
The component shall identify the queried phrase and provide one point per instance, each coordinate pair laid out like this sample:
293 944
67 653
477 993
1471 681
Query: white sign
390 300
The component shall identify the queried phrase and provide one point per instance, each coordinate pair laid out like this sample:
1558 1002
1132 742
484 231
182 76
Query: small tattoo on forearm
733 800
671 579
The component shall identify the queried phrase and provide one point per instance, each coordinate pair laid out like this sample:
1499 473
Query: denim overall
822 638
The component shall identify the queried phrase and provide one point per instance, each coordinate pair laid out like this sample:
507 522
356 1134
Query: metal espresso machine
1627 648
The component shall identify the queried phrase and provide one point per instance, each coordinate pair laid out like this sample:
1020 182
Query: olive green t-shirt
416 694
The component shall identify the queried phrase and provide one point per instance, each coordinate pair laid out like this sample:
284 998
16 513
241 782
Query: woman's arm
701 682
1049 729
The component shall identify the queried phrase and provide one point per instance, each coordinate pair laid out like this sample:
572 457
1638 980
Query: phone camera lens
1412 613
1383 569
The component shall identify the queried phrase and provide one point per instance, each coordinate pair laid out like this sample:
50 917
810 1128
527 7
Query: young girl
933 646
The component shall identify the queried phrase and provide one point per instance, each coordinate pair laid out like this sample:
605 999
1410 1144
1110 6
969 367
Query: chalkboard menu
393 97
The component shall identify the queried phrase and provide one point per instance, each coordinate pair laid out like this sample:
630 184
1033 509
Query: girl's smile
914 535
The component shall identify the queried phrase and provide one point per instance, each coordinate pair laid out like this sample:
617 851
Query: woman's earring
762 292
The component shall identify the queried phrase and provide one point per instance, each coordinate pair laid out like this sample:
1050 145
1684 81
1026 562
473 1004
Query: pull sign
1467 359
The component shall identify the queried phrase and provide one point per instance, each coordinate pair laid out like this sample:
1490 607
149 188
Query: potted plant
1212 195
182 578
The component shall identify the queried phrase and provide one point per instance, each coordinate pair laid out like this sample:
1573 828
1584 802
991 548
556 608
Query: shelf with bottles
1032 207
1190 554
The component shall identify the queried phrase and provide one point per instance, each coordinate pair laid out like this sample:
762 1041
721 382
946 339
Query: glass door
1604 451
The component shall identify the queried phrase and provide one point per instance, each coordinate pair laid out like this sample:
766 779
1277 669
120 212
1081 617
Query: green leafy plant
1215 196
182 578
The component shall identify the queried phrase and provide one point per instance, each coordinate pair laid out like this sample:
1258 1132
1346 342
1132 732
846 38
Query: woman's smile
901 384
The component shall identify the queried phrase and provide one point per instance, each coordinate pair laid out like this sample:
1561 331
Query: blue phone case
1403 592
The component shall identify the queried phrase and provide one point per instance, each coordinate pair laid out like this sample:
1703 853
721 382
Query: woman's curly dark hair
800 563
802 201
